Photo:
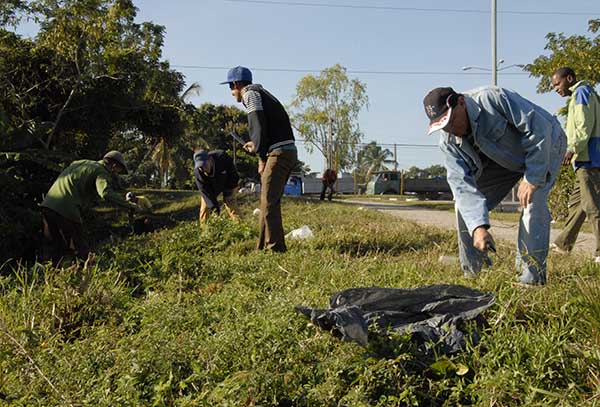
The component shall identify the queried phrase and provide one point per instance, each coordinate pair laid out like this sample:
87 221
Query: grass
195 317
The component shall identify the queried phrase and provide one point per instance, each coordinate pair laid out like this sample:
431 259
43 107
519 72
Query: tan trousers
230 203
584 202
277 170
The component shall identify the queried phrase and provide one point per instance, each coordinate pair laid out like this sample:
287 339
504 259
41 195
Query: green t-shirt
79 186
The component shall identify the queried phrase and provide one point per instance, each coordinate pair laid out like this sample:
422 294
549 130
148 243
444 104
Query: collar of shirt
578 84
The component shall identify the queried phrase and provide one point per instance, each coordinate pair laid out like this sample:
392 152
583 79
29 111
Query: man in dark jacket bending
215 173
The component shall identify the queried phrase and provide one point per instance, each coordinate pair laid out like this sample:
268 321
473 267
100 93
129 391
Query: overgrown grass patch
192 316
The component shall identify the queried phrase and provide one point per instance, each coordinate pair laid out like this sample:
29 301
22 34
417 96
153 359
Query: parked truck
312 184
393 182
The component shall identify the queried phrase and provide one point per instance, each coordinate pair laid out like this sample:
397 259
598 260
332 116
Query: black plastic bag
434 315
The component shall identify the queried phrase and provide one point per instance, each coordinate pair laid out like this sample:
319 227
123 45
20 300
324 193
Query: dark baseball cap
438 107
238 74
117 157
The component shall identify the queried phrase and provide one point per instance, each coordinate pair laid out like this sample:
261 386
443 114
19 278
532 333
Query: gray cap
200 158
116 157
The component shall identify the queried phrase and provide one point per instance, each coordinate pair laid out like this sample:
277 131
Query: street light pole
494 44
480 68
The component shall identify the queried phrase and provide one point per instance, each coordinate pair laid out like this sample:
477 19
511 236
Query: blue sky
220 33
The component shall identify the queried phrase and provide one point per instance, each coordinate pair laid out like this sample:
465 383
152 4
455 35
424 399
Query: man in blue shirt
492 138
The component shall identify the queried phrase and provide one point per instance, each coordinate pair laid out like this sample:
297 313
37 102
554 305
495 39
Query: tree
371 158
212 125
325 113
579 52
90 71
164 160
10 10
429 172
582 54
171 157
92 78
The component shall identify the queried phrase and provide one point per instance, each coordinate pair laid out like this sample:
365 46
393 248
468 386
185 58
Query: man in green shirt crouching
76 189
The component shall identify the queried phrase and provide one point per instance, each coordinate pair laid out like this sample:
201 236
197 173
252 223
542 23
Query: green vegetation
580 52
195 317
93 79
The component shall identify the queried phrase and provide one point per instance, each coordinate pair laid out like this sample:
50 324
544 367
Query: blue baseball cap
238 74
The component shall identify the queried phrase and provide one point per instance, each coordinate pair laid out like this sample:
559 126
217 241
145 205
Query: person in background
583 152
272 139
215 174
329 178
79 186
493 138
140 224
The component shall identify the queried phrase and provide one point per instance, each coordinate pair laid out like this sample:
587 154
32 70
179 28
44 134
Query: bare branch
59 116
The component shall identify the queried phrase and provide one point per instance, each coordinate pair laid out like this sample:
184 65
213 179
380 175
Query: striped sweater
269 123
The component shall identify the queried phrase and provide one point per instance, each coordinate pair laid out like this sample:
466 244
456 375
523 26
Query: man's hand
249 146
525 193
261 166
137 208
482 239
568 157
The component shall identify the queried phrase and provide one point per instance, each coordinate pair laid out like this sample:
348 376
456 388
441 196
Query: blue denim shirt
510 130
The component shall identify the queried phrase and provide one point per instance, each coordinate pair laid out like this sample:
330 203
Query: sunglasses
231 85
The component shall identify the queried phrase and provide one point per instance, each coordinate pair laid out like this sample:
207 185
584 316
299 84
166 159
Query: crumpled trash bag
301 233
434 315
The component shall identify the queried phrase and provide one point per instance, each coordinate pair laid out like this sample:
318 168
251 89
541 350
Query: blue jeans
495 183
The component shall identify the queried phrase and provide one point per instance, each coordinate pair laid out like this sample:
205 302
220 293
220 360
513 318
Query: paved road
446 219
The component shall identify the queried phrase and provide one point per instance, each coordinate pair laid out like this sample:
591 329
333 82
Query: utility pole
494 46
355 169
402 182
330 145
395 159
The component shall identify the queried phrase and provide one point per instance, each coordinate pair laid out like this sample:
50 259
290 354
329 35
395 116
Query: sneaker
554 247
597 259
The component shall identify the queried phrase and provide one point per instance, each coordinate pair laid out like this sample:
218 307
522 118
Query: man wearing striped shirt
272 139
583 151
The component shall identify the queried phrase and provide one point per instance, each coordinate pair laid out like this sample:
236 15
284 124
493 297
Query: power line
417 9
378 144
351 71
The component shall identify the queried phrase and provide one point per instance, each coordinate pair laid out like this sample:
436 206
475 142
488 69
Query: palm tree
370 159
165 155
162 156
193 90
